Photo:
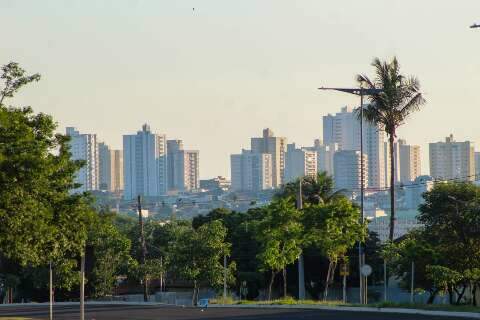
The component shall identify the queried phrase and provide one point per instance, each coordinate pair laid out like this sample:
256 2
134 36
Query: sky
216 72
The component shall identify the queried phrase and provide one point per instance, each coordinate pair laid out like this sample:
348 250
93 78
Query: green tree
280 234
333 228
197 256
40 220
390 108
315 190
111 255
444 279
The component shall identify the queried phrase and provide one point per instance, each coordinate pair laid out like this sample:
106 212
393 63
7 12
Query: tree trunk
327 282
270 286
284 271
450 296
194 296
460 294
392 185
474 293
432 296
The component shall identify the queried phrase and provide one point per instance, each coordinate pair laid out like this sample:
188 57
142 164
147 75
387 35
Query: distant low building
217 183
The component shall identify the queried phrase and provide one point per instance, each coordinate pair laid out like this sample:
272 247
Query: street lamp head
474 26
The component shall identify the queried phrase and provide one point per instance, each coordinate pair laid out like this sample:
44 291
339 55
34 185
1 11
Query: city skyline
246 74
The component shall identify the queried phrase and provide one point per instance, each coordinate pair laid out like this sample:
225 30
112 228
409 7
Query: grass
292 301
438 307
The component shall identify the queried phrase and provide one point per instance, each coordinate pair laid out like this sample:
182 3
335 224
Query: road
136 312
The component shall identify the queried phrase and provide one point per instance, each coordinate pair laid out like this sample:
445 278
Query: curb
457 314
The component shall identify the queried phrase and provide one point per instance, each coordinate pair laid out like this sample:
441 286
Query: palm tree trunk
392 185
284 283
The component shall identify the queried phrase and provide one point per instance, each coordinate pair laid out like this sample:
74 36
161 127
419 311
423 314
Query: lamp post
361 254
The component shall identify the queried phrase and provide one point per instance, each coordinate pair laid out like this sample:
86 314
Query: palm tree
400 96
315 190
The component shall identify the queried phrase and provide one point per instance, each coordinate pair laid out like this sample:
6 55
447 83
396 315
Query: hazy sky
219 74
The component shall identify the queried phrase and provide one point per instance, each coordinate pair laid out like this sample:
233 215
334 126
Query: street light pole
361 253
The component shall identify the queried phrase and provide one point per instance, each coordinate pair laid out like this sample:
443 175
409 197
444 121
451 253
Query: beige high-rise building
410 163
325 155
300 163
451 160
183 167
111 168
117 170
275 146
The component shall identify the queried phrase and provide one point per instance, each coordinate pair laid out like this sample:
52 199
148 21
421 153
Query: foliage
197 255
111 255
443 278
39 219
280 234
315 190
333 228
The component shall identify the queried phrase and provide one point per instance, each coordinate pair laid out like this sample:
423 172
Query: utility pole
301 265
224 278
143 248
50 291
82 287
361 250
412 284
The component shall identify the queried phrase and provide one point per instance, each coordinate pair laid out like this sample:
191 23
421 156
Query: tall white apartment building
144 164
343 129
84 147
111 168
183 167
325 155
347 171
452 160
410 161
251 171
275 146
299 163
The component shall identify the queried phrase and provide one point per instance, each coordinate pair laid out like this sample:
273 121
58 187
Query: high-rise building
173 147
183 167
477 166
117 182
145 164
85 147
452 160
347 171
299 163
343 129
111 168
251 171
388 163
275 146
325 155
374 145
410 163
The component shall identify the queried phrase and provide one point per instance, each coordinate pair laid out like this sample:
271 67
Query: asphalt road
135 312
